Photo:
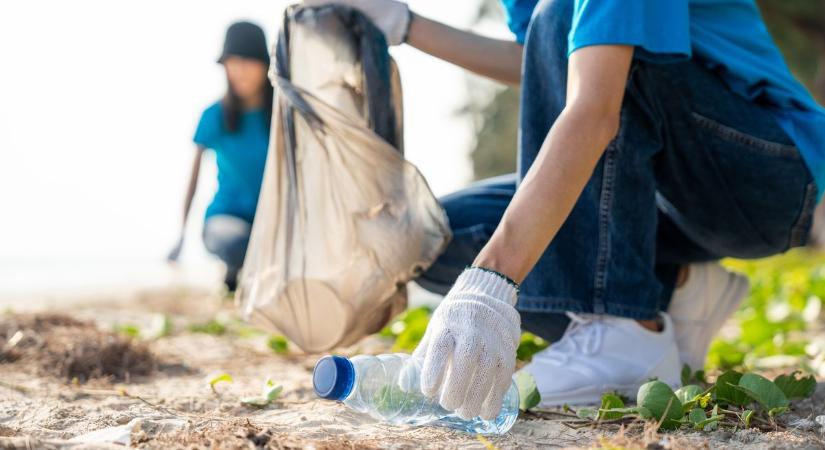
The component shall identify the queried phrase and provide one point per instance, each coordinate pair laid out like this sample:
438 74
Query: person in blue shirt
656 137
236 128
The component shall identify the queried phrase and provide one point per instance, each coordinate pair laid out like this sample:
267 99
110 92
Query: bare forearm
547 194
597 77
194 174
493 58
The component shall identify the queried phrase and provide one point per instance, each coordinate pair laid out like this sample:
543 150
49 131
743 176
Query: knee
227 239
550 24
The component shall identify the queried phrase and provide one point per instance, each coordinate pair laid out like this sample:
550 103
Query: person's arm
194 173
474 333
494 58
596 84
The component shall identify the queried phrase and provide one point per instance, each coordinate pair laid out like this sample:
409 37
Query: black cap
333 377
247 40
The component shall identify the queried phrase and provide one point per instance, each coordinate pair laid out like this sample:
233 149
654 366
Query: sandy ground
174 407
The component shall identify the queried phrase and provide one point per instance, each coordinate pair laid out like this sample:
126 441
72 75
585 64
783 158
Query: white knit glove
390 16
469 348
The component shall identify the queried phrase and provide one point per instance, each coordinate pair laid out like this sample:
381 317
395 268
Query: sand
162 400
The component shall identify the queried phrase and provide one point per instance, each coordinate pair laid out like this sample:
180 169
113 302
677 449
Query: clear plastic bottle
387 387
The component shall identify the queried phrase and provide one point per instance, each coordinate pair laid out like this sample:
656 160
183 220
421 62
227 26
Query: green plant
162 326
278 344
529 345
407 329
219 378
785 298
269 394
528 392
734 400
127 329
213 327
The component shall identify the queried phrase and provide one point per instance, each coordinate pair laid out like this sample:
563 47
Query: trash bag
343 221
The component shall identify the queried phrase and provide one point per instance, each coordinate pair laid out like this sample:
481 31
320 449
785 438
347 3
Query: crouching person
236 128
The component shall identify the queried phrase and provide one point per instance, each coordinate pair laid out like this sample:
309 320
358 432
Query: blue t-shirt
240 157
729 36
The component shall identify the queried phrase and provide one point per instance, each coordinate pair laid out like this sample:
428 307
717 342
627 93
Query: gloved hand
390 16
469 348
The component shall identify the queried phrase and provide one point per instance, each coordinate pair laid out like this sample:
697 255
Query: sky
98 104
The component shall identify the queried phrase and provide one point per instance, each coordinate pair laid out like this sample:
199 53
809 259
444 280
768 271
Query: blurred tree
496 136
799 29
494 109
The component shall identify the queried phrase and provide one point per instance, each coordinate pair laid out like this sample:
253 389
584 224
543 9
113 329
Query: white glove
469 348
390 16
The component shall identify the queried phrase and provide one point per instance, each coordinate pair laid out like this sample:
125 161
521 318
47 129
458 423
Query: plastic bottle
387 387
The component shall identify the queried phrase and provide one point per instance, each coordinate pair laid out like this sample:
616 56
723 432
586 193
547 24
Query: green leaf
763 391
160 327
697 416
658 398
529 345
773 412
272 391
794 388
713 422
165 326
224 377
746 417
129 330
528 393
255 402
609 403
212 327
726 391
587 413
408 328
278 344
644 413
686 375
701 422
687 394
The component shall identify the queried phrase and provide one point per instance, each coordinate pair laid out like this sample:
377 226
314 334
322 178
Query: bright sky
98 104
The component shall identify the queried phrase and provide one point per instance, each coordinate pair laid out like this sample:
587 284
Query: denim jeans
696 173
227 237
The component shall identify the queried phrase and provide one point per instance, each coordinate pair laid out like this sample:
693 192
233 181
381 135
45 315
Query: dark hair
232 106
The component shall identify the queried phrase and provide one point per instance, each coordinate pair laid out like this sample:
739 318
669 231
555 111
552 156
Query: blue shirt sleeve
518 13
210 127
659 29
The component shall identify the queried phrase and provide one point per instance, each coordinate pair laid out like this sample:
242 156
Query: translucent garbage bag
343 221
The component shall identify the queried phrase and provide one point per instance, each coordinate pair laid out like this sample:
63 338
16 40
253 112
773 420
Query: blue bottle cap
333 377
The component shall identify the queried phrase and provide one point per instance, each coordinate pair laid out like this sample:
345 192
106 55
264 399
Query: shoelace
583 336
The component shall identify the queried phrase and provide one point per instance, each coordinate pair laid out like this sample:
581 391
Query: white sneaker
700 308
599 354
